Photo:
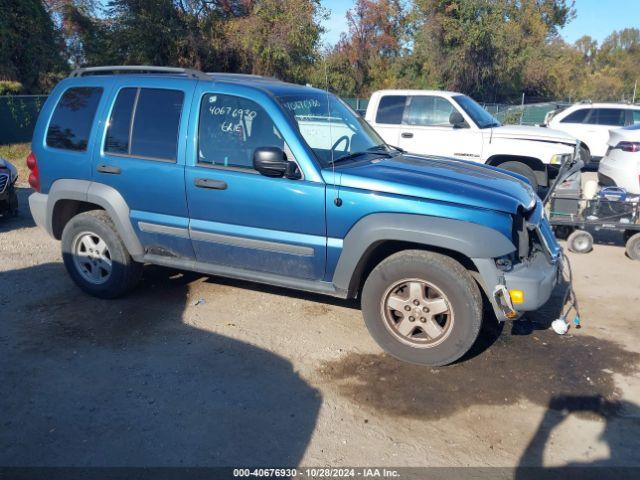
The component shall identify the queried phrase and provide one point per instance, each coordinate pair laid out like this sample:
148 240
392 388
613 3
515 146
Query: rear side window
428 111
144 123
576 117
614 117
391 109
72 119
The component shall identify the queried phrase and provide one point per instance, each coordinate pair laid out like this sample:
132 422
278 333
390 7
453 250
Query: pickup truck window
231 128
479 115
427 110
144 123
330 127
73 118
391 109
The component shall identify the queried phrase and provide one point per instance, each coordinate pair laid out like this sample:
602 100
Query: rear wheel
95 256
522 169
422 307
580 242
633 247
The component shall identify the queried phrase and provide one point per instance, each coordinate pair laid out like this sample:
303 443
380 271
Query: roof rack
124 69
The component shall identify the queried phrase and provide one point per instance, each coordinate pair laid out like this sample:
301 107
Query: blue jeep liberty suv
256 179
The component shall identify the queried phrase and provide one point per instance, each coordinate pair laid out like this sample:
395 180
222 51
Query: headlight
504 264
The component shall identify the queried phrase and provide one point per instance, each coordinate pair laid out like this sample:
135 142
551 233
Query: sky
597 18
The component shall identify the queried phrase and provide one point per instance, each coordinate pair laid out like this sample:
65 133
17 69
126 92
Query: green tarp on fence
18 115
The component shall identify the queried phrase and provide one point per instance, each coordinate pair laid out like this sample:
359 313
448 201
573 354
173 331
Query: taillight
34 176
628 146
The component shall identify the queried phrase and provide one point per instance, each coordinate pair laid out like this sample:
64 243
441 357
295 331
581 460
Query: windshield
330 127
479 115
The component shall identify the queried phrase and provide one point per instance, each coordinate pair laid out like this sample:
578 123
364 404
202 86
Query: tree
482 47
30 47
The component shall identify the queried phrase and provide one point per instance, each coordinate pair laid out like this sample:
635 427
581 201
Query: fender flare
469 239
102 195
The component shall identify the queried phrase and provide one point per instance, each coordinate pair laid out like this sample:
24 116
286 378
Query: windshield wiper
386 147
353 155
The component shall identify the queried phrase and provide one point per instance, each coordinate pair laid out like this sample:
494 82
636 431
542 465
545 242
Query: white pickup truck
453 125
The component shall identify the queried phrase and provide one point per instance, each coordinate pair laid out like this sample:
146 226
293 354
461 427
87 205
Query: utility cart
575 213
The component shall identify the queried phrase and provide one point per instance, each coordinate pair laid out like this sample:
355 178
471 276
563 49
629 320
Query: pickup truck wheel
95 256
522 169
422 307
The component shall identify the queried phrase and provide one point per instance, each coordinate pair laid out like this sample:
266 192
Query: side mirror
272 162
457 120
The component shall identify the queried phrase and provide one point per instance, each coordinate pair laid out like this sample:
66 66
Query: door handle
210 183
406 135
104 168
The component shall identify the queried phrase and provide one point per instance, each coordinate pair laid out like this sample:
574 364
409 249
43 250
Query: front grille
4 181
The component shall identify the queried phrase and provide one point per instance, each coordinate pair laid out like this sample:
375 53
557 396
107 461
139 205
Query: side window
391 109
576 117
635 119
231 128
119 129
72 119
428 111
613 117
144 123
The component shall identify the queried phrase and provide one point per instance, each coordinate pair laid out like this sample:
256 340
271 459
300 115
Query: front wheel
95 256
422 307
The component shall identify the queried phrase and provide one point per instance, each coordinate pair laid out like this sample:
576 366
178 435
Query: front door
142 158
426 130
239 218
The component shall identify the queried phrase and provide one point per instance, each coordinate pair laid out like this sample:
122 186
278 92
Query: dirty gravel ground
256 375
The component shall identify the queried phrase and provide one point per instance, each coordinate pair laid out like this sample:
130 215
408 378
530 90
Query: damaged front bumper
527 287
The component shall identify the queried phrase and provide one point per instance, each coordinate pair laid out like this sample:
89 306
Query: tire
633 247
441 282
585 156
524 170
563 231
580 242
103 273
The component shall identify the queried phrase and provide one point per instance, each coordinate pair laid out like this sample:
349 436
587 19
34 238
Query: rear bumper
38 207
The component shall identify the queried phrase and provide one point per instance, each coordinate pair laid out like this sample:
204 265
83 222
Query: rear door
141 155
598 124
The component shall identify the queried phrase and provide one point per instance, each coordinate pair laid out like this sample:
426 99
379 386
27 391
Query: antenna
336 189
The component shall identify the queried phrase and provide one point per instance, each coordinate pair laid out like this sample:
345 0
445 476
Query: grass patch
17 153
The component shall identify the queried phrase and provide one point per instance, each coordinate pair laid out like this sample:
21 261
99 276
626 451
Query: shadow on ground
88 382
621 424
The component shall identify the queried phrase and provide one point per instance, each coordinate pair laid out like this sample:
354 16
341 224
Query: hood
439 179
525 132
